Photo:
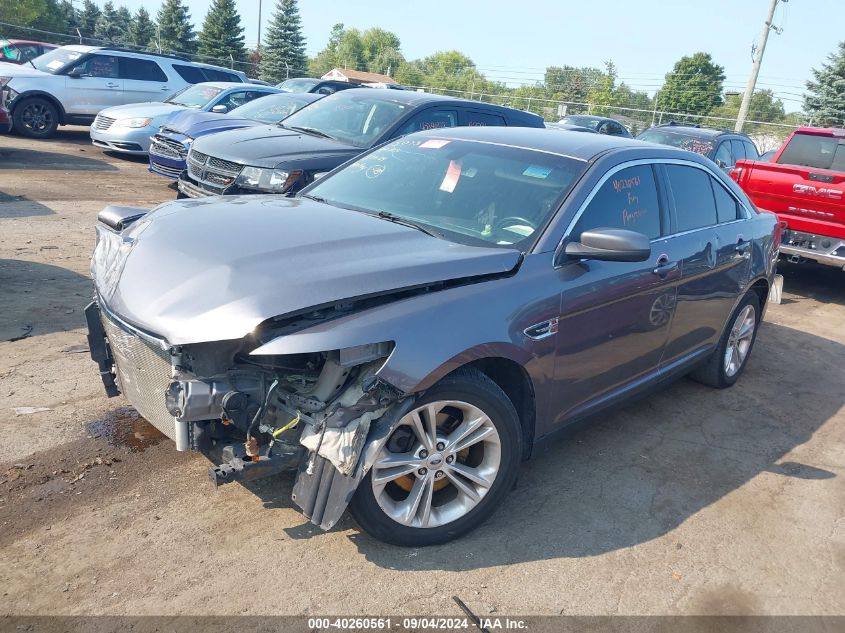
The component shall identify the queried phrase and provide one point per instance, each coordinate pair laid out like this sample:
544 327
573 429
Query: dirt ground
692 501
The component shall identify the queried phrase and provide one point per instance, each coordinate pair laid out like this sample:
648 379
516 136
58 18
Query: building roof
358 76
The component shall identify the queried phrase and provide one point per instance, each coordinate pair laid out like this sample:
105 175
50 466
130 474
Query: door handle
744 248
165 89
664 266
112 85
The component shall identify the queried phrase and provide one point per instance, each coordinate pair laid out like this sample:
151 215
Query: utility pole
258 46
755 69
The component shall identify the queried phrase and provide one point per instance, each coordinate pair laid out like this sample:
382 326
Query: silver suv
71 84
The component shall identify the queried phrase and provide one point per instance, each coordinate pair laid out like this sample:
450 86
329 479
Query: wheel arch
22 97
511 377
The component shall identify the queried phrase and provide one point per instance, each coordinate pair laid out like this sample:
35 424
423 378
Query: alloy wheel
437 465
739 340
37 117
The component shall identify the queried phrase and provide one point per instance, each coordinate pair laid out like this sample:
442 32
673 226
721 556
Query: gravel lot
691 501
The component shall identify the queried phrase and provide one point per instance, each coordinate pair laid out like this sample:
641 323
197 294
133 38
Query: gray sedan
418 321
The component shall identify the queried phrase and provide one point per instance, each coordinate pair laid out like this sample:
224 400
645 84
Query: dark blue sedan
170 146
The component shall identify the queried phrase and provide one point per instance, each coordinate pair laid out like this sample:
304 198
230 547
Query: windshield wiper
398 219
314 198
310 130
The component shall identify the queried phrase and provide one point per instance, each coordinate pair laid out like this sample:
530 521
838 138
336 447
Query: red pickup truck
804 185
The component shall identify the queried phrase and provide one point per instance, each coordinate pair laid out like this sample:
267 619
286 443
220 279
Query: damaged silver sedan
409 329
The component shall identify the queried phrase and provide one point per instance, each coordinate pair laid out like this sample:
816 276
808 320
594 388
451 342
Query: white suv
71 84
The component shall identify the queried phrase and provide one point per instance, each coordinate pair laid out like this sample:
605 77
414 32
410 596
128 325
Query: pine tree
124 21
69 15
142 30
88 18
107 27
176 33
285 44
222 34
825 102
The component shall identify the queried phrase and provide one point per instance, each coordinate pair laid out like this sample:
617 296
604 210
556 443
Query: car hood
8 69
268 145
213 269
193 123
149 109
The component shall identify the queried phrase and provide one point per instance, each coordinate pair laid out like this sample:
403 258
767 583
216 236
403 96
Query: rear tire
36 117
721 370
427 498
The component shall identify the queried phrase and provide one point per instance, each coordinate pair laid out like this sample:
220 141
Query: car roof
576 145
226 85
703 132
13 41
590 116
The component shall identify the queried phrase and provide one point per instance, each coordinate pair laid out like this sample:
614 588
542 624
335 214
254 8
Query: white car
71 84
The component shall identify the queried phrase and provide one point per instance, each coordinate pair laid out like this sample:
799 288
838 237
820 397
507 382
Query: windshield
298 85
270 109
195 96
357 119
676 139
470 192
56 60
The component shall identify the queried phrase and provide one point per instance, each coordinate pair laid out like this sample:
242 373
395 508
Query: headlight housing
134 122
269 180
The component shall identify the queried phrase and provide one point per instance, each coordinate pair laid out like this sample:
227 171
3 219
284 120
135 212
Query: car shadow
21 207
32 307
640 472
813 281
23 158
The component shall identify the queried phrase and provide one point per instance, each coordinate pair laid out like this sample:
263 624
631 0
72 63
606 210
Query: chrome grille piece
213 174
163 146
173 172
102 122
143 372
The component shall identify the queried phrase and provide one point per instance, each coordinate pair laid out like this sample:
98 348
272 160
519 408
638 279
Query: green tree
46 15
381 51
107 27
142 30
222 34
175 31
693 87
283 54
88 18
764 107
825 100
603 92
567 83
124 21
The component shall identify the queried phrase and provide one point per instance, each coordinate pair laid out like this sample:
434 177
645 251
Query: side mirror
722 164
75 73
610 245
220 109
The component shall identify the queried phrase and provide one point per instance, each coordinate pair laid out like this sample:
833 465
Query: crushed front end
253 416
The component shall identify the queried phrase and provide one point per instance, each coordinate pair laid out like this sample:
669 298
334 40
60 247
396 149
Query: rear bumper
829 251
5 121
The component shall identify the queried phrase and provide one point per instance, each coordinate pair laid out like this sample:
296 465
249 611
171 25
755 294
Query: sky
515 42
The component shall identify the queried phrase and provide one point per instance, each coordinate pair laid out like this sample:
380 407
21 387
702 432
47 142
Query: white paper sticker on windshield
435 143
56 63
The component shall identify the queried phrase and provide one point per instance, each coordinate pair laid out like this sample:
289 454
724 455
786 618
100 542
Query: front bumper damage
250 423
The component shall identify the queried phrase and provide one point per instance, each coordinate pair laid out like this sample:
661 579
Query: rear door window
627 200
219 75
482 119
750 151
141 70
695 207
738 150
727 208
191 74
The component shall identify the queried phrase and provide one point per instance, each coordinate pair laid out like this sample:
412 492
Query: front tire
445 468
727 363
36 118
